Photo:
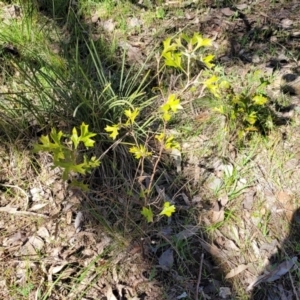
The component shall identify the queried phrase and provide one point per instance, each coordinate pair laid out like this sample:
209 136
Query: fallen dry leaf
281 270
230 245
236 271
166 260
188 232
226 11
186 199
223 200
286 23
242 6
38 206
176 154
218 213
278 272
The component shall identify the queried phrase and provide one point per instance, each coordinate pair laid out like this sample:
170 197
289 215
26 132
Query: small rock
95 18
286 23
255 59
224 292
214 182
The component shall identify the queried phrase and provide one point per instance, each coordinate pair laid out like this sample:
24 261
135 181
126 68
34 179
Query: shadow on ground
278 280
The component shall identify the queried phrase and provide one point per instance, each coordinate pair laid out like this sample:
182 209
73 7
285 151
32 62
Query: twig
156 162
199 277
14 211
294 289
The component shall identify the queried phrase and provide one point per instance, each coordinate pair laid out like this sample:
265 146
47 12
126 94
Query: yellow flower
171 144
212 86
172 104
113 129
160 137
260 100
251 118
139 151
207 60
148 214
208 82
219 109
224 85
199 41
168 209
166 116
131 115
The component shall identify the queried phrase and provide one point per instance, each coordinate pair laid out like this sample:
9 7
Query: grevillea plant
243 113
183 51
64 149
141 152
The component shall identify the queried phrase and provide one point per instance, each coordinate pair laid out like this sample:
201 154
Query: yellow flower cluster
114 129
172 105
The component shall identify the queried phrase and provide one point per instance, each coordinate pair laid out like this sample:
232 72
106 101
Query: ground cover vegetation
149 149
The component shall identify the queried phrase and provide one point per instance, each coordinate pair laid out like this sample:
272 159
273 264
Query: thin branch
294 289
199 277
14 211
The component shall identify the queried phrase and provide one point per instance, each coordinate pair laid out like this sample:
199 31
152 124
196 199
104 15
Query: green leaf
94 162
207 60
131 115
114 130
168 46
173 59
85 135
166 116
74 138
173 103
139 151
251 118
148 214
56 136
56 148
171 144
168 209
199 41
185 37
84 187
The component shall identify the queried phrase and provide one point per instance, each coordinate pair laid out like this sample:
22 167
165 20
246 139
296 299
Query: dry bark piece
78 221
